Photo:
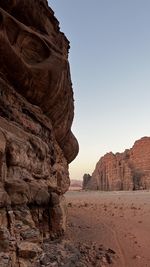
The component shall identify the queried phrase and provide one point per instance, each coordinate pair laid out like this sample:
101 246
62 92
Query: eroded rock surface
129 170
36 142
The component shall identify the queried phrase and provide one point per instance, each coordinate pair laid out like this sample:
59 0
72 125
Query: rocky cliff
129 170
36 142
86 181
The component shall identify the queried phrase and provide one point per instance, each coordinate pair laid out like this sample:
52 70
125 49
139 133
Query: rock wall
36 142
129 170
86 180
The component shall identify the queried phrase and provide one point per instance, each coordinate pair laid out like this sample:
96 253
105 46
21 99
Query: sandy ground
118 220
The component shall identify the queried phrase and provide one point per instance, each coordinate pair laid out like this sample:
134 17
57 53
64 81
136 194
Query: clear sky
110 68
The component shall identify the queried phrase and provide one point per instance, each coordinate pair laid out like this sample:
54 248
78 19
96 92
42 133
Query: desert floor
118 220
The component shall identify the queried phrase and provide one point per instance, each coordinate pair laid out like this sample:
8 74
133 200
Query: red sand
118 220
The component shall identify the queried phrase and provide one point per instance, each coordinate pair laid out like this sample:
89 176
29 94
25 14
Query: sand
118 220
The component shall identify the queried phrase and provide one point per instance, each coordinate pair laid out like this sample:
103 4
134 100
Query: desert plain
120 221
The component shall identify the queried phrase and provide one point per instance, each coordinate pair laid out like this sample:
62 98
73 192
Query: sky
110 69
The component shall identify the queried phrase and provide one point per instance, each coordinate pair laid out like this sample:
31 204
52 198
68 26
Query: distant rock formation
75 185
129 170
36 142
86 181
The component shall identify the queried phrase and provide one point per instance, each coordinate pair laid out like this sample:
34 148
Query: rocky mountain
129 170
36 142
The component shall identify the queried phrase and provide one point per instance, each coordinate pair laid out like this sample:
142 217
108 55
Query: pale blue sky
110 68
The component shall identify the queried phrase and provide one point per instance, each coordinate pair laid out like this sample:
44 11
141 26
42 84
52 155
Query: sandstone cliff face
36 142
129 170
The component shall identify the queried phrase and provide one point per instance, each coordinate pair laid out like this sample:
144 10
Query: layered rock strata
129 170
36 142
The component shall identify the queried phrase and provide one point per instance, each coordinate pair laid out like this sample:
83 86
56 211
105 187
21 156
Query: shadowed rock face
129 170
36 142
35 64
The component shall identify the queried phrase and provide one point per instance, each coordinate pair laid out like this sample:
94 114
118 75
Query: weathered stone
59 215
31 234
39 193
2 142
5 260
35 58
18 191
4 239
129 170
82 254
3 218
4 198
36 142
54 199
28 250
